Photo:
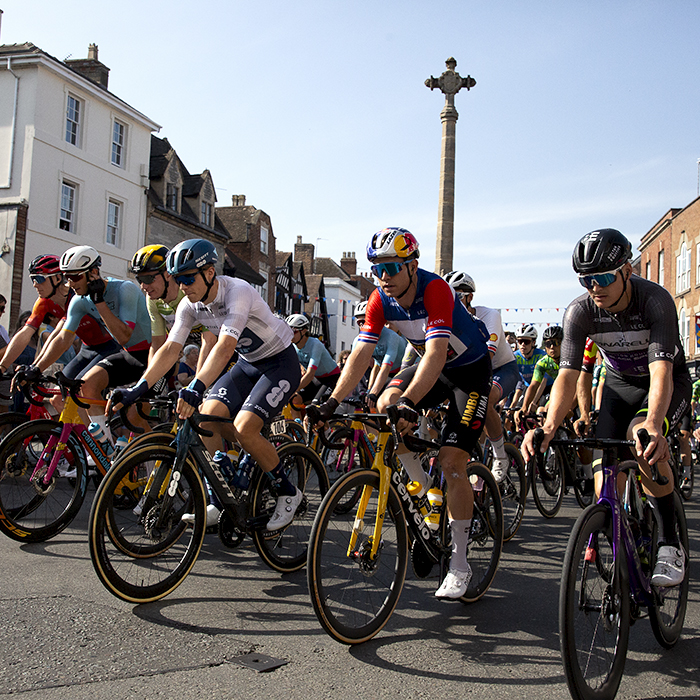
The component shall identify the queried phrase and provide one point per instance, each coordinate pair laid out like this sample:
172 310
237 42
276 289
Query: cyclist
634 323
320 370
527 356
111 319
387 356
53 292
455 365
547 366
259 383
505 368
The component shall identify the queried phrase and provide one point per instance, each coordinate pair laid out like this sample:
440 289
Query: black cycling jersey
630 340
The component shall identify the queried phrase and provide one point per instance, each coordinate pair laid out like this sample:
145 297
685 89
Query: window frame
660 276
120 161
683 269
71 219
206 212
684 330
264 240
73 126
117 205
172 191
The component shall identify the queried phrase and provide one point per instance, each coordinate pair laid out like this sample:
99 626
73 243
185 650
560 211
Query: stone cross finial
450 82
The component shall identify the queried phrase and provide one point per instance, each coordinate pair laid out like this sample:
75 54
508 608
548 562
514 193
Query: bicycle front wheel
286 549
547 475
594 608
348 455
513 492
353 594
142 553
667 613
30 509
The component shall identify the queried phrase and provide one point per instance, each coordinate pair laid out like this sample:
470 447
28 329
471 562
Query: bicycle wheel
9 421
594 608
142 554
349 455
513 493
486 535
285 550
667 613
547 476
352 595
31 511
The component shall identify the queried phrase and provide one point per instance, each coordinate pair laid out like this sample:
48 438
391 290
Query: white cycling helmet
80 258
460 281
361 309
527 330
298 321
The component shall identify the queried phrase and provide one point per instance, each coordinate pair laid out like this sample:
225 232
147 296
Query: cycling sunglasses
187 278
145 279
39 279
391 269
552 343
604 279
76 277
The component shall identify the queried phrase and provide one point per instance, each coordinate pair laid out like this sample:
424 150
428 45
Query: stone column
450 83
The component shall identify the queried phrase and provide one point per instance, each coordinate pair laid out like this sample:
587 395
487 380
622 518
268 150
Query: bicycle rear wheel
486 534
142 553
594 608
31 511
352 595
667 613
513 492
547 476
286 550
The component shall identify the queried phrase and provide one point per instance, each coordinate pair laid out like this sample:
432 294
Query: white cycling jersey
238 311
497 340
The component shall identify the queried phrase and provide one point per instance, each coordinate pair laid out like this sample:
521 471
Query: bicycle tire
513 492
133 560
594 608
27 514
337 462
286 550
667 612
486 534
352 596
548 483
9 421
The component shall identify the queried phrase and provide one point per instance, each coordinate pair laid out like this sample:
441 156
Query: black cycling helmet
553 333
599 251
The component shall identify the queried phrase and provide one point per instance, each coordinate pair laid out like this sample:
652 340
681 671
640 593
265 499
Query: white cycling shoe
284 511
455 584
670 567
499 469
212 516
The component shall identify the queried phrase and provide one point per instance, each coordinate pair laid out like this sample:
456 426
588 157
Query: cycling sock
460 542
280 483
667 511
499 449
587 470
410 461
212 496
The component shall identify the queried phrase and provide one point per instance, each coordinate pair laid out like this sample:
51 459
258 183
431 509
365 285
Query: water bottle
435 498
420 497
225 466
99 435
120 445
241 479
477 482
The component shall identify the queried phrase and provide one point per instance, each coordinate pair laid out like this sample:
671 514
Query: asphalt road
64 636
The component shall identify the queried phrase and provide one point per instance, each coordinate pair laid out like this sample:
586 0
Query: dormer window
172 195
263 240
206 214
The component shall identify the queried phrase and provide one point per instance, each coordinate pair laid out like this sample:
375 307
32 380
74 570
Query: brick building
670 256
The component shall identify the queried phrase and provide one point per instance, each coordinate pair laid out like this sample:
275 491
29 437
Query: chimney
304 253
238 200
90 67
349 263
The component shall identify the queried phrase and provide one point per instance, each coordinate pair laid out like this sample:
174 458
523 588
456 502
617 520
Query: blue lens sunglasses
187 278
391 269
603 279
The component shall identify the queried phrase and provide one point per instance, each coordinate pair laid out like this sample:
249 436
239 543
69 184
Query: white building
341 300
73 166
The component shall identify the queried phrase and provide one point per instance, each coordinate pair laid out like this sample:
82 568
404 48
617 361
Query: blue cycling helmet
190 256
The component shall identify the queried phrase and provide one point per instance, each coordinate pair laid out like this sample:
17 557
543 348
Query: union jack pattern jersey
433 314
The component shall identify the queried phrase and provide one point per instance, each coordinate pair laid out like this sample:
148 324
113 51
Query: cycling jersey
162 314
501 352
125 301
527 365
389 350
239 311
315 356
546 366
630 340
696 391
433 314
42 307
590 353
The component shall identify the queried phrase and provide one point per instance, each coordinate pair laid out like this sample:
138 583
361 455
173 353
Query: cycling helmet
601 251
45 265
553 333
460 281
151 258
361 309
80 258
392 243
191 255
527 330
297 321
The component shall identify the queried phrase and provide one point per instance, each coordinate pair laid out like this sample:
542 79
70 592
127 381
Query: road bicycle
684 474
37 499
606 578
142 552
357 559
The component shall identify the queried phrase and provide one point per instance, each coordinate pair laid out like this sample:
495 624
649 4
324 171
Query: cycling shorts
467 387
88 357
263 387
506 377
124 367
318 387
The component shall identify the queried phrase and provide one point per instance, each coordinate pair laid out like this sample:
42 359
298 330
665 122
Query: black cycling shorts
124 367
467 388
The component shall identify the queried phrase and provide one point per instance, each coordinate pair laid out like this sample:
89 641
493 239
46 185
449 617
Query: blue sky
585 114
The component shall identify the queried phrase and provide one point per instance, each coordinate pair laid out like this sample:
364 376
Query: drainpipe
14 127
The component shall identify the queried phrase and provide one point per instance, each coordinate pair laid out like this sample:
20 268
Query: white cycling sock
411 463
499 449
460 542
